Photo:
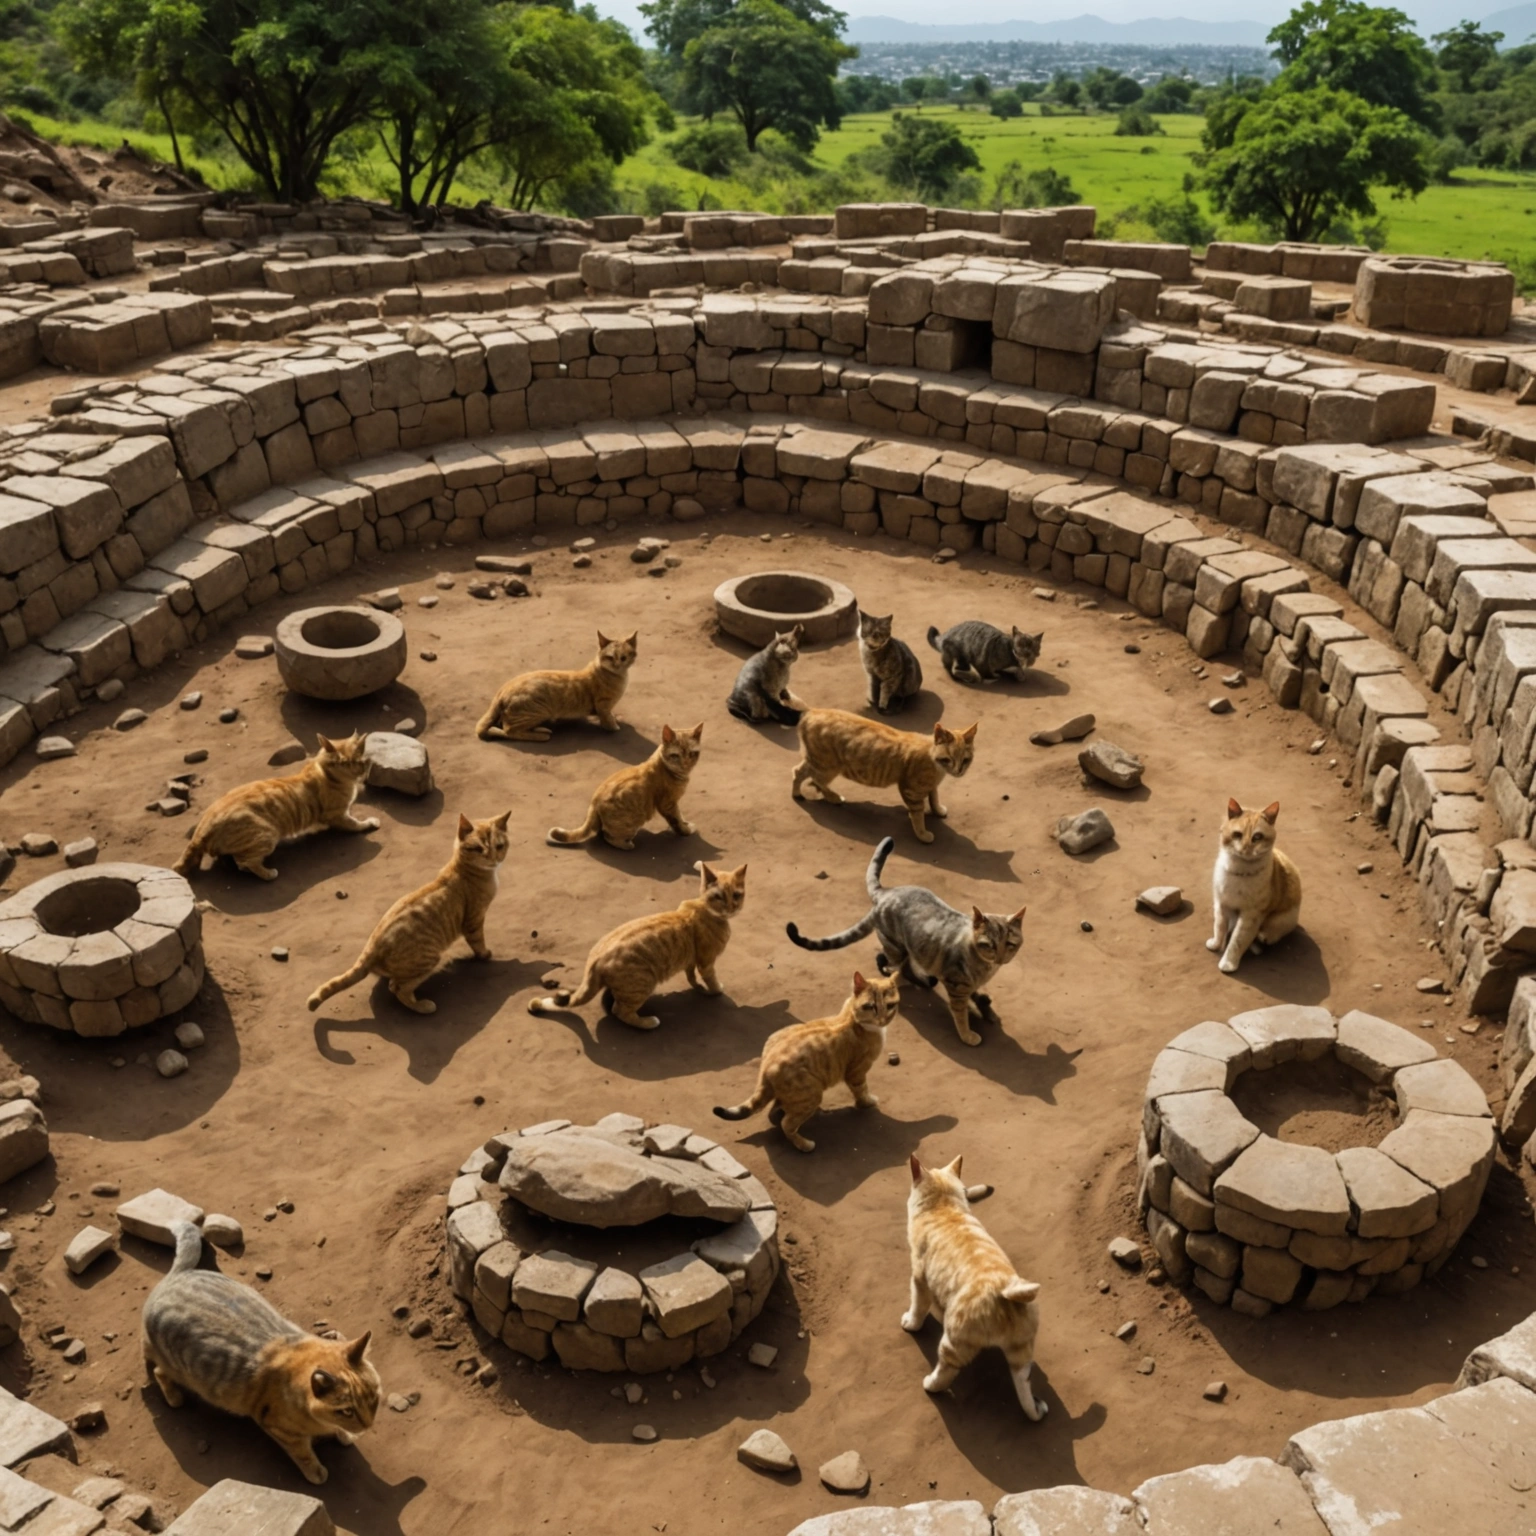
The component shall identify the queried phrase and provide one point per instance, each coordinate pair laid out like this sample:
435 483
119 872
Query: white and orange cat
962 1276
1256 889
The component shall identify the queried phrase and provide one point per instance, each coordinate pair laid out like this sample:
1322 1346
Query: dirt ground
360 1115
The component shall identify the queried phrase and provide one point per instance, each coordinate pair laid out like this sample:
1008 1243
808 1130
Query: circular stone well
1257 1222
340 653
101 949
1441 297
614 1246
756 608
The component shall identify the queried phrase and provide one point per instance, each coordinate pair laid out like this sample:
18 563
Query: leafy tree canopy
926 154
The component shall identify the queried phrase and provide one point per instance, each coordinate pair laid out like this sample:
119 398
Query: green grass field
1479 214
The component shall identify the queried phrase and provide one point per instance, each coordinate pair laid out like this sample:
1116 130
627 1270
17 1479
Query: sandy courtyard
360 1115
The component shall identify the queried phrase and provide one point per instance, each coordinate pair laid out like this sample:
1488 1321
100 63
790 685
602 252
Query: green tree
769 68
1297 161
1006 104
1137 123
915 87
1173 93
1107 88
865 93
283 80
1370 51
980 87
926 154
1066 90
1466 51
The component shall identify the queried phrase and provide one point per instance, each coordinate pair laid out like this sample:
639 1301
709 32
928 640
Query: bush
1448 155
1137 123
925 154
1045 188
711 149
36 98
1006 104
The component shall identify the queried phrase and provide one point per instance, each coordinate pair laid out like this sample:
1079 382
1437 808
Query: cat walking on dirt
935 942
626 800
247 823
802 1062
836 744
411 937
961 1275
762 686
975 651
207 1334
1256 889
628 964
525 707
894 674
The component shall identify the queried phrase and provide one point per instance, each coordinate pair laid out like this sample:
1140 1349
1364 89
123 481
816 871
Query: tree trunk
170 123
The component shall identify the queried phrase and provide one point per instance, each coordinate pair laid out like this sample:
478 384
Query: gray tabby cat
984 651
762 686
934 941
208 1334
894 673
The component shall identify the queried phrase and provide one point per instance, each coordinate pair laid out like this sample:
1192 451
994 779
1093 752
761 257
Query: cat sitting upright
961 1274
975 651
762 691
1256 888
895 676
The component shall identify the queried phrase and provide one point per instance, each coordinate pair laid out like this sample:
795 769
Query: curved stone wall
1257 1222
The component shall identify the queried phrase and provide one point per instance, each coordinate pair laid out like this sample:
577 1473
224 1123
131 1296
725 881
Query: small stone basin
340 653
757 607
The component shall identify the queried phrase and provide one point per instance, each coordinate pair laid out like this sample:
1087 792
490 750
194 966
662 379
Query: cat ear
740 875
916 1167
969 734
940 734
954 1167
503 819
1038 639
1233 808
668 734
798 632
324 743
698 731
632 637
1017 919
602 640
322 1383
706 874
466 826
1271 812
357 1350
978 918
859 984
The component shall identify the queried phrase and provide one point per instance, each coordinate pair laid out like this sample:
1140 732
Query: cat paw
1212 945
925 836
941 811
370 825
1041 1409
685 829
934 1382
313 1471
481 954
345 1437
869 1101
1256 948
912 1322
803 1144
970 1039
1225 966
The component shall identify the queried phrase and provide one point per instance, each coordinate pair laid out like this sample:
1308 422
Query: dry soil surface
361 1115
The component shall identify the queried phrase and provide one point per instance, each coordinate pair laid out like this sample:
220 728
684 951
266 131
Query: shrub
1137 123
711 149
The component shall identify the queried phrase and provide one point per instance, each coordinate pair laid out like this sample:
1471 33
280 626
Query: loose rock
1125 1253
111 689
1147 1366
81 852
1215 1391
398 762
644 1433
189 1035
193 700
255 647
1163 900
85 1248
196 755
1111 765
845 1474
128 719
1081 833
289 752
170 1063
506 565
762 1355
1126 1331
766 1452
1073 730
1220 706
223 1231
51 748
229 715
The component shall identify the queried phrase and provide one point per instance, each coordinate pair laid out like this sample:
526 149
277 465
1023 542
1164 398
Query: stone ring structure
340 653
102 949
757 607
658 1186
1257 1222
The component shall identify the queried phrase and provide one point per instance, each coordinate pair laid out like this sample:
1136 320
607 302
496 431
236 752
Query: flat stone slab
553 1283
150 1216
615 1304
1378 1048
1111 765
1286 1032
1065 1511
1201 1134
85 1247
1220 1041
685 1293
1453 1153
1512 1354
596 1182
1444 1087
231 1506
1390 1201
1241 1497
1296 1186
1182 1072
938 1517
26 1431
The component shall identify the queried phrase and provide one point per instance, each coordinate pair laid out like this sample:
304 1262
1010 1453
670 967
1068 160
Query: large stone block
1067 311
1289 1184
232 1508
1241 1497
1201 1134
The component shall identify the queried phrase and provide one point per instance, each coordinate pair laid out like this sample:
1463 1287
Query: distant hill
1518 24
1079 29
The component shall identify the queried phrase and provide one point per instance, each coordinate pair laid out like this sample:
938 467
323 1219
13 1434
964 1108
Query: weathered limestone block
1390 1201
685 1293
1289 1184
231 1506
1065 1511
553 1283
1202 1134
1247 1494
1286 1032
1378 1048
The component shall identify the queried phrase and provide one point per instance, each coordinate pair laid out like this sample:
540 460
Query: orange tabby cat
249 822
410 938
632 961
523 708
834 743
626 800
209 1334
961 1274
1256 888
802 1062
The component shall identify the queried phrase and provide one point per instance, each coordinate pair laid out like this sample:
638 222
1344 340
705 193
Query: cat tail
583 834
782 712
349 978
735 707
876 866
865 925
490 719
1021 1290
189 1246
565 998
749 1106
933 638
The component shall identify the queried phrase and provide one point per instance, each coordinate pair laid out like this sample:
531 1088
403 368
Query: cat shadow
658 854
697 1034
852 1146
987 1426
88 1096
866 822
1112 795
468 992
921 712
1292 971
573 736
785 737
301 865
1024 1073
308 719
1036 683
410 810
